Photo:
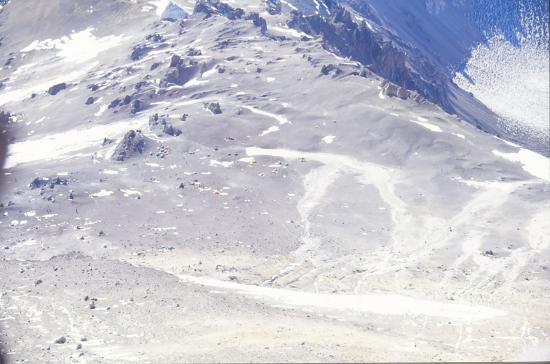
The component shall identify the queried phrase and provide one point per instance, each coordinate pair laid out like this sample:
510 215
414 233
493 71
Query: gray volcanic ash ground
209 182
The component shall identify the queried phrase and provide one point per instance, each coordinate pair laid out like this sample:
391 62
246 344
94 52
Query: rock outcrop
55 89
213 107
160 126
133 143
182 70
392 90
40 182
215 7
392 61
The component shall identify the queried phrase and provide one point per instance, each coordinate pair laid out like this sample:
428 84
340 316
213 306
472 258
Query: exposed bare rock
55 89
133 143
161 126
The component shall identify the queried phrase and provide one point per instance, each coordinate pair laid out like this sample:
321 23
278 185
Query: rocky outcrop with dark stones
133 143
216 7
213 107
40 182
355 40
328 69
139 51
160 126
258 21
392 90
182 70
273 7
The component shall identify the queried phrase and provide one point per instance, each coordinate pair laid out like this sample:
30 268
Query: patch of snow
55 146
225 164
533 163
78 47
154 165
102 193
382 304
247 160
429 126
128 193
281 119
269 130
328 139
102 109
288 31
195 82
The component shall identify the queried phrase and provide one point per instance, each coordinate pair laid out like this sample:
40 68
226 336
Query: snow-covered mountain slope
454 51
229 186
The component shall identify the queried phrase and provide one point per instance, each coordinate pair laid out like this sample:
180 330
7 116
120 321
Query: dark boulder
120 102
175 61
90 100
114 103
182 71
213 107
273 7
155 37
194 52
4 117
258 21
54 90
137 106
139 51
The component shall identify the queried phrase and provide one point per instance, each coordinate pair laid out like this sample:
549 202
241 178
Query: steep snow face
510 72
512 81
480 44
169 10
